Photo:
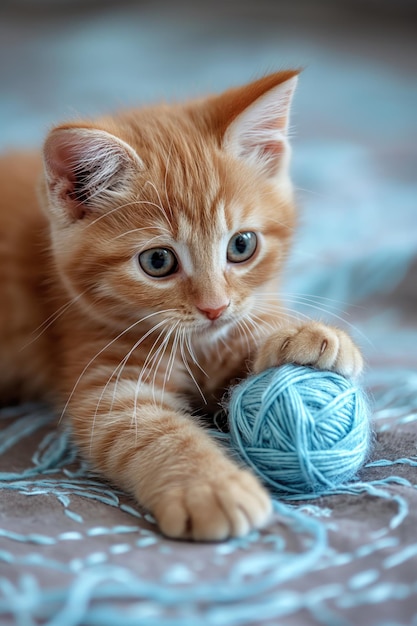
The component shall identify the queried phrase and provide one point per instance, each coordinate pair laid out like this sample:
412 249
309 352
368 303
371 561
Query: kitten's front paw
213 510
313 343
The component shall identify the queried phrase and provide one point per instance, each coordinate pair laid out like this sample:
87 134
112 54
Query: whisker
120 367
191 352
149 364
315 297
311 191
148 182
124 206
242 333
285 313
318 304
296 315
335 316
183 340
111 211
137 230
226 346
124 361
251 329
171 358
152 363
286 294
152 356
126 330
262 322
149 241
166 177
305 299
52 318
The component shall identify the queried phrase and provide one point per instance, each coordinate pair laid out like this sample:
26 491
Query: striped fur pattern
138 279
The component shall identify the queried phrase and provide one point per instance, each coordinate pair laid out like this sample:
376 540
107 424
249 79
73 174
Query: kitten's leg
171 465
311 343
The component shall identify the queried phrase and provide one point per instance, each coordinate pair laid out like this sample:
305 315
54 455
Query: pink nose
213 314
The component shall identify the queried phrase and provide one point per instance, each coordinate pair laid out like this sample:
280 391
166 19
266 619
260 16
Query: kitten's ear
258 133
86 170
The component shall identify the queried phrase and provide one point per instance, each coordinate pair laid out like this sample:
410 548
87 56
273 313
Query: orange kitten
137 281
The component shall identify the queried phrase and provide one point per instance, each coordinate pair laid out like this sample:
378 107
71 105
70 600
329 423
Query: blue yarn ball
302 430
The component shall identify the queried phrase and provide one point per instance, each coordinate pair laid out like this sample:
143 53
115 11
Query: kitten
138 279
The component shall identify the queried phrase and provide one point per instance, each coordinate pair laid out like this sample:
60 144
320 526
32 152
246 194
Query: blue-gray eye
241 247
158 262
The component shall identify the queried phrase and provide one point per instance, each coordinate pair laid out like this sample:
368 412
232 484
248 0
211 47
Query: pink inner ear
265 150
272 150
60 155
64 160
263 147
259 133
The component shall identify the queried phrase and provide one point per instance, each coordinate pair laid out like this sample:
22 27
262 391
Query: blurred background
354 121
60 58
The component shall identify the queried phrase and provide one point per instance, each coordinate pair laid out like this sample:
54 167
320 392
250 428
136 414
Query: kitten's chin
214 330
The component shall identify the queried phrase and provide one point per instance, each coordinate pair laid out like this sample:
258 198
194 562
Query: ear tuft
259 134
86 169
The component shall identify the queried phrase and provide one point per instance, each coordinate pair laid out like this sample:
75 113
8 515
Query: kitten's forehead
201 240
206 190
189 168
203 225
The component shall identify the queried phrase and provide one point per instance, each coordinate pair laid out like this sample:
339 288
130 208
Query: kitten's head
175 212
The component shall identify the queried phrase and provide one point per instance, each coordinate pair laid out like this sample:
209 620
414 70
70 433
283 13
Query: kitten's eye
241 247
158 262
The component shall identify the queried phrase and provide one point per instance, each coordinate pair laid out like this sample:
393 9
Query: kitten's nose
213 314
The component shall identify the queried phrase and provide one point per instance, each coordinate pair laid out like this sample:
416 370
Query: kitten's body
129 355
26 365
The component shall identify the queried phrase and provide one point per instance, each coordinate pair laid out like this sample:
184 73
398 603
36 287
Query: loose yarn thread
302 430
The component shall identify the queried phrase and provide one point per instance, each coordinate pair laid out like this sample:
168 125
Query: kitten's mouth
212 326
